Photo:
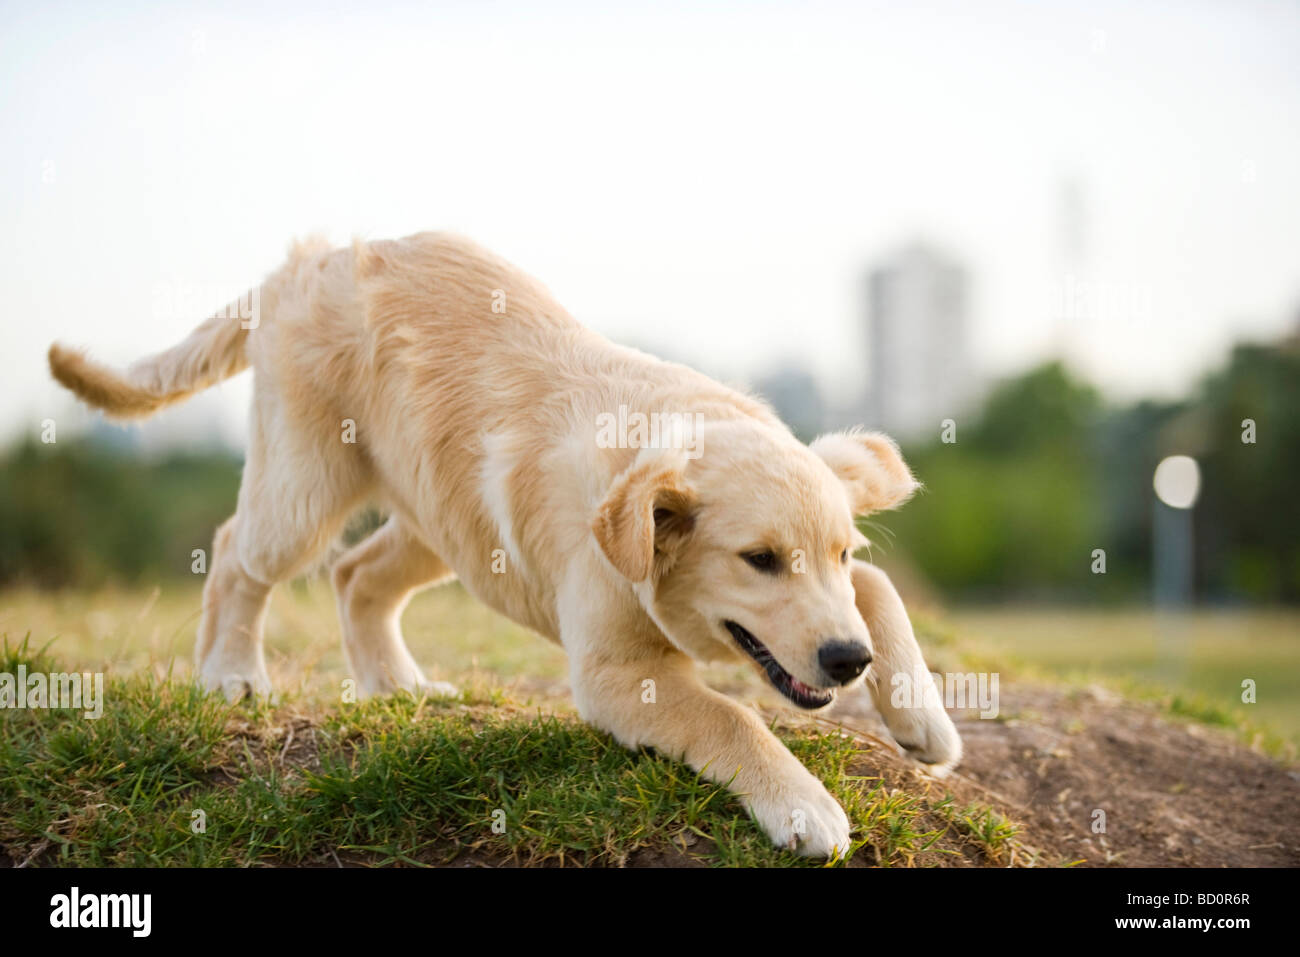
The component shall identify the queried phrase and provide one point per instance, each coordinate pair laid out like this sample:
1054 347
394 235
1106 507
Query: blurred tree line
1046 472
81 513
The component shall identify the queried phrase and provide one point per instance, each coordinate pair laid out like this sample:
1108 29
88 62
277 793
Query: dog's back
411 371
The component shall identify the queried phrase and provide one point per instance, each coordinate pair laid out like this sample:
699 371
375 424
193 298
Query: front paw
803 817
438 689
928 735
238 687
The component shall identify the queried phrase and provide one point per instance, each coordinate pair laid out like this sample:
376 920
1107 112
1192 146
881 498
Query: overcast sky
709 180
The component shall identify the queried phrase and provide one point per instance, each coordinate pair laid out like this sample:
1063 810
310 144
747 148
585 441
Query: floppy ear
645 516
871 468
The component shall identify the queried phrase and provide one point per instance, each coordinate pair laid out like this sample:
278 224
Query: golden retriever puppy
634 511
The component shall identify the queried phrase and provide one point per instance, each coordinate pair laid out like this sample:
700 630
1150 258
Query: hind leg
296 492
229 656
373 583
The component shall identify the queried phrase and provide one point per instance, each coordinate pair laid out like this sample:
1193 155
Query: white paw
438 689
371 684
929 736
804 818
236 688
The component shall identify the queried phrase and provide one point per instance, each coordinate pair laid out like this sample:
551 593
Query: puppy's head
745 550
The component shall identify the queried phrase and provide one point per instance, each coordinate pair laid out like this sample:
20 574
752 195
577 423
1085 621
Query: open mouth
784 682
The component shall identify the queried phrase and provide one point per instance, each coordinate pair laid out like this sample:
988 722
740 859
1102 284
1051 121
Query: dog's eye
763 561
844 556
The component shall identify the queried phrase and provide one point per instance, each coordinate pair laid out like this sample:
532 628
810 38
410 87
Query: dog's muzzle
801 694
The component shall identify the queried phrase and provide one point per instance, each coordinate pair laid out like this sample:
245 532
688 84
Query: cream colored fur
475 404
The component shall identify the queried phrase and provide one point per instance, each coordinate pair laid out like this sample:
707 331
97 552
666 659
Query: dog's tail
212 352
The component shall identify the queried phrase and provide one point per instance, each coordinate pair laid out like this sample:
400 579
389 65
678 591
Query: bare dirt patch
1174 793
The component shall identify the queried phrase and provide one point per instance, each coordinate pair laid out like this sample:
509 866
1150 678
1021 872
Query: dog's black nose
843 660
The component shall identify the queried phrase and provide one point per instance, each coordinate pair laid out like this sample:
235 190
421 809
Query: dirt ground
1174 794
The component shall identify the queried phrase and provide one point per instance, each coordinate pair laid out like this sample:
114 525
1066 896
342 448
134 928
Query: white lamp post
1177 483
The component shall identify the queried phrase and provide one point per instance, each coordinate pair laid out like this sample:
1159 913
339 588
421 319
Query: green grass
388 781
992 831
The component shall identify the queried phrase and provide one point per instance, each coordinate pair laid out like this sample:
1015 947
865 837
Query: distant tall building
919 359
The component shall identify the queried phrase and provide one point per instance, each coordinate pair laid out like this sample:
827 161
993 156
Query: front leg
682 718
917 721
